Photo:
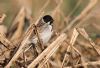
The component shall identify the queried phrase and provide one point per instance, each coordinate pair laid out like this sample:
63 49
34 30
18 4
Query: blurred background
69 8
64 13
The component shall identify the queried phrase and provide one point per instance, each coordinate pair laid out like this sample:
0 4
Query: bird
45 29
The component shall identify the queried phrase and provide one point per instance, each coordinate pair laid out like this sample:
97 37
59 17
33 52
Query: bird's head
48 19
45 20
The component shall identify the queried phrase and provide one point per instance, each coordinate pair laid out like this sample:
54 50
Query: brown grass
69 47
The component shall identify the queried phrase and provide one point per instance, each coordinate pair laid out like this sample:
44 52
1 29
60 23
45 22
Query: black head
48 19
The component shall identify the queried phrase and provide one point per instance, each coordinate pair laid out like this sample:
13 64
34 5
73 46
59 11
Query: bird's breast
45 35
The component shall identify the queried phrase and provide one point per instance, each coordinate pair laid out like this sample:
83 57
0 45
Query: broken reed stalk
66 57
82 15
23 43
20 50
86 36
73 39
71 43
54 49
48 50
6 42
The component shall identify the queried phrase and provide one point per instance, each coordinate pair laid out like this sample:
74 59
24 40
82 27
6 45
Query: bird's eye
48 19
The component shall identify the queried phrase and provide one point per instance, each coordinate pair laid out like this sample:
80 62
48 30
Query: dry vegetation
70 46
